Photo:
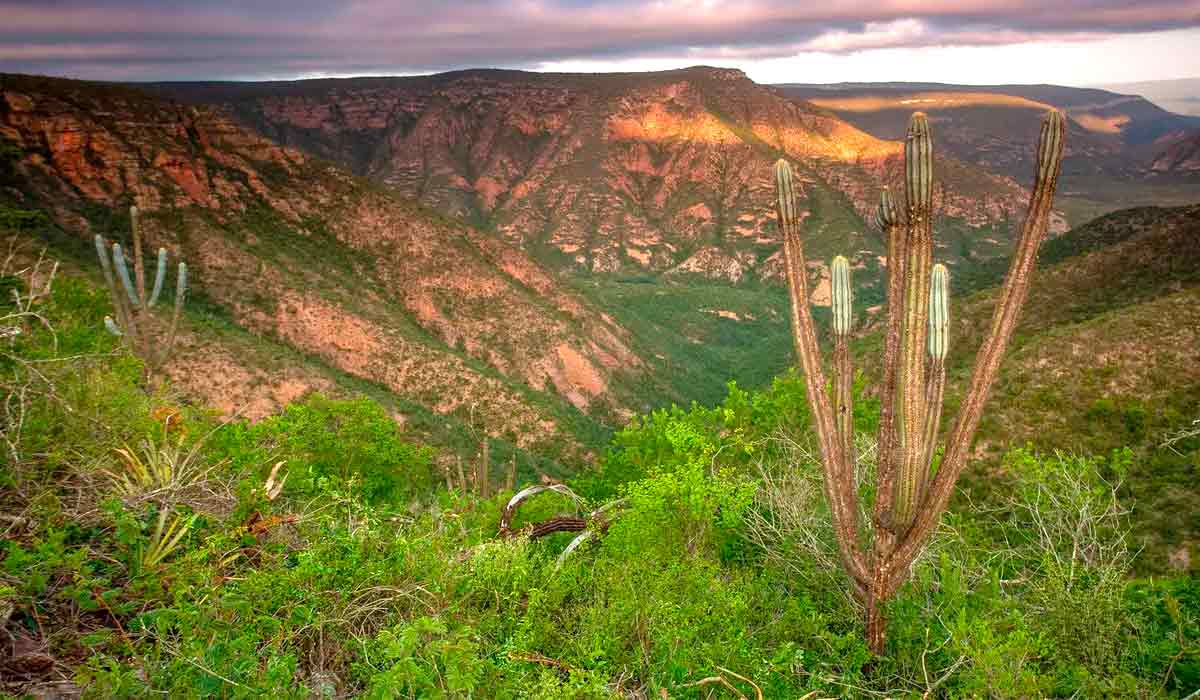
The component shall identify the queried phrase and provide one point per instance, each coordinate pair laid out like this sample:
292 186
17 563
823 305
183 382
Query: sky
1069 42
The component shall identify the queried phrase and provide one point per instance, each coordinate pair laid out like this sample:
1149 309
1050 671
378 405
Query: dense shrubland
150 548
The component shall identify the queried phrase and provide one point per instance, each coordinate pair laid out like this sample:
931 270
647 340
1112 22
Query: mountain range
533 257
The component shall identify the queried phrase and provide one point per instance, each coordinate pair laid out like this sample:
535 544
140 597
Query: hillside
312 258
1180 155
1181 96
1113 146
1107 355
326 547
656 173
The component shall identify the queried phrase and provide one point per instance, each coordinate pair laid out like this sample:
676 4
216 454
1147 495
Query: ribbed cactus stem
841 302
160 273
918 164
180 294
939 313
139 268
939 344
843 372
837 471
123 273
787 197
885 214
911 383
181 284
102 254
987 362
887 463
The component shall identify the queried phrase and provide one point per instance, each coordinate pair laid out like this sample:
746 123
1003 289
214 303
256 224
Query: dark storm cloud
165 39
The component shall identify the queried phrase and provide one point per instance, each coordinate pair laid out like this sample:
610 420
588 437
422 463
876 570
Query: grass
365 577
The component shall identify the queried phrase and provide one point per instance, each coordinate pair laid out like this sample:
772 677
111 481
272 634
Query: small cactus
909 496
134 322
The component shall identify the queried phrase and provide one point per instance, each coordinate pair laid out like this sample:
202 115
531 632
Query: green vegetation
317 553
696 333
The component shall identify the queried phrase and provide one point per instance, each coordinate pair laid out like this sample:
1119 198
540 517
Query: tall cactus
135 324
909 496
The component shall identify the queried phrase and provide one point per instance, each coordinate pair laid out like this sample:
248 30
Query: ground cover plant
150 548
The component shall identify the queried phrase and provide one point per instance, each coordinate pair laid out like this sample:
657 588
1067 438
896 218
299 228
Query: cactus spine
909 496
134 322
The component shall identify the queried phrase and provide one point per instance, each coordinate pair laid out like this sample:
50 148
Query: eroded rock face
116 146
1181 156
311 256
648 172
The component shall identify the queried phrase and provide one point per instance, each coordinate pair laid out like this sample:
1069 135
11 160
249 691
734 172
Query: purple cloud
177 39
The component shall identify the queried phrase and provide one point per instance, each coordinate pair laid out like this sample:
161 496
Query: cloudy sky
1076 42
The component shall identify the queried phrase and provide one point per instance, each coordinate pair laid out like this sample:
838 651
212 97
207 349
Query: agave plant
154 468
135 323
911 490
165 539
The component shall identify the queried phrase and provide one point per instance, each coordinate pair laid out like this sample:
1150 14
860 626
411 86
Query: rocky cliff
1111 136
299 251
658 172
1179 156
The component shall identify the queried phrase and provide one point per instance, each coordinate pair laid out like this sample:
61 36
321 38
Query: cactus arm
180 293
911 384
843 371
987 363
139 266
939 344
123 274
105 265
124 321
889 222
839 494
160 272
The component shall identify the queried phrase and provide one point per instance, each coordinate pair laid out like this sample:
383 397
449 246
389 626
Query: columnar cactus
909 496
134 323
